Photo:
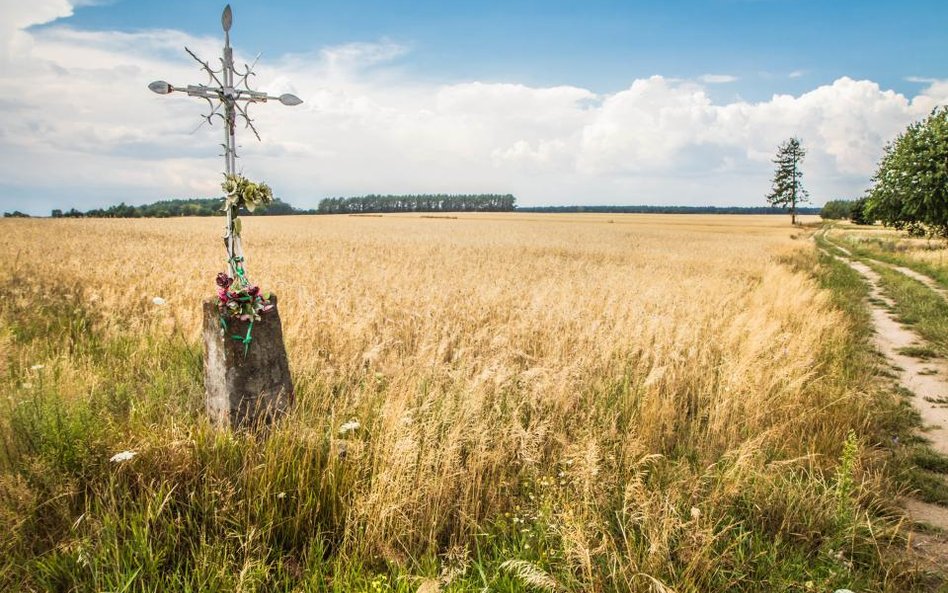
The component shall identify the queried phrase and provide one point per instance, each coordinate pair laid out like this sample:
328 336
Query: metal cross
222 91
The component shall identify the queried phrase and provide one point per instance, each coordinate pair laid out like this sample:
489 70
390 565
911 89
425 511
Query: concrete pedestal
245 390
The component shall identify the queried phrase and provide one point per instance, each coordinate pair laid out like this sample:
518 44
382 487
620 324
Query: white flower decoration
123 456
349 426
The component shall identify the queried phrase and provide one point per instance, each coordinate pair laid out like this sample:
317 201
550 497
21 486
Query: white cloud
17 16
717 78
353 56
796 74
921 79
78 127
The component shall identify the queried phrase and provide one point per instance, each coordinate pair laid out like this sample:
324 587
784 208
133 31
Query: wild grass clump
541 406
925 256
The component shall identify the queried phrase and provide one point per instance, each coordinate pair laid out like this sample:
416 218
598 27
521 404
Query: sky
597 102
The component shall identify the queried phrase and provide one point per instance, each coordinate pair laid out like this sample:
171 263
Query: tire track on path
891 337
927 380
928 281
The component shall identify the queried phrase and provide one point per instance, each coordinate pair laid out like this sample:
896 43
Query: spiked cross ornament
223 90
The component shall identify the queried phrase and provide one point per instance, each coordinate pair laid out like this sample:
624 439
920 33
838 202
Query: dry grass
615 402
928 256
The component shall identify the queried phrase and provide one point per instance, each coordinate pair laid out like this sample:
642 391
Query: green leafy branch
240 192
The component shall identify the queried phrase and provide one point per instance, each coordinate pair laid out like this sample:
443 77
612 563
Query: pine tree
787 189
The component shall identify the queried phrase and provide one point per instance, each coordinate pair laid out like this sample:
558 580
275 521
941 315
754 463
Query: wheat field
506 402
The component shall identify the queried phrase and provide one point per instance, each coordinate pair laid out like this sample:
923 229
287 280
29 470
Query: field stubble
605 402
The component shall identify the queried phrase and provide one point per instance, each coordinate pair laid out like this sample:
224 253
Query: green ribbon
242 277
239 269
245 340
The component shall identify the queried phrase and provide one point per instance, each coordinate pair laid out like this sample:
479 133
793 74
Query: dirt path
927 380
926 280
930 283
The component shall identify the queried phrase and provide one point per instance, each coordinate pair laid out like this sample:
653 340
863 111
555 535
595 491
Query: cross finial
223 90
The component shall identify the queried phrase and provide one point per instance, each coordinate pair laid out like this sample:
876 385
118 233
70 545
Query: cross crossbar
227 94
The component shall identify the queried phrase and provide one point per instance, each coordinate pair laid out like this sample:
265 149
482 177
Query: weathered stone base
245 390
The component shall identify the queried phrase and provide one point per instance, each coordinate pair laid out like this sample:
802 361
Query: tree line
641 209
173 208
418 203
909 189
854 210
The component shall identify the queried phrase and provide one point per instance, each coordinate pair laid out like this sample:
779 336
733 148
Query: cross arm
261 97
163 88
205 92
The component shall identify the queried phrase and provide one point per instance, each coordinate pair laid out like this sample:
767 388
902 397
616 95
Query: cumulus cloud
18 16
717 78
78 127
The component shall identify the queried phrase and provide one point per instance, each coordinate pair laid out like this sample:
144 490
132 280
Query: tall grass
619 403
926 256
914 303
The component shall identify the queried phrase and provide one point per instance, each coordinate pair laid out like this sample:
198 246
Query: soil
928 382
916 375
923 279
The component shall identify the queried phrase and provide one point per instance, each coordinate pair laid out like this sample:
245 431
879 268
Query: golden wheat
487 351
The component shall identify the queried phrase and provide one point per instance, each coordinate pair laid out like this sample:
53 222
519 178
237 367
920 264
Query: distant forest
667 209
169 208
419 203
355 205
394 203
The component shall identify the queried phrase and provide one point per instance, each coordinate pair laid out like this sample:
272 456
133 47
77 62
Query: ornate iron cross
223 90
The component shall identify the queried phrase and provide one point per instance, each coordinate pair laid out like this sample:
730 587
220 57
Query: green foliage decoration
910 187
240 192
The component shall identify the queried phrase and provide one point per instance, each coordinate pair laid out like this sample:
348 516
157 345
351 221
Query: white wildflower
349 426
281 495
159 301
37 367
123 456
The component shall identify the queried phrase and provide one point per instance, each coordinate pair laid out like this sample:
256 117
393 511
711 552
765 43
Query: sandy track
934 286
927 380
926 280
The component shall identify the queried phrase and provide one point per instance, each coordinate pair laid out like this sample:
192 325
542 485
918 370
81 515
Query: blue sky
598 45
557 102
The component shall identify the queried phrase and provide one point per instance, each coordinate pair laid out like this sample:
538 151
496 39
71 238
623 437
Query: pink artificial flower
223 280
